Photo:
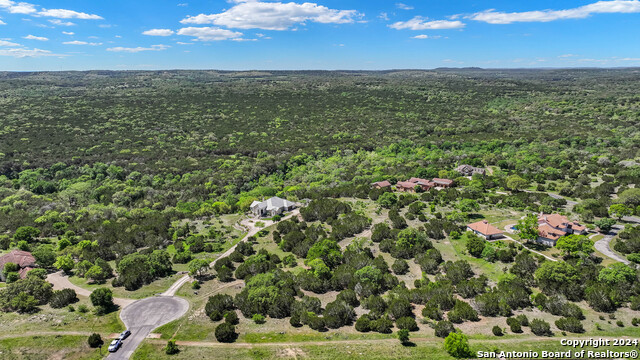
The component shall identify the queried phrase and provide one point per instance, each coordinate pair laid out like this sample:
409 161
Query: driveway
143 316
604 245
250 225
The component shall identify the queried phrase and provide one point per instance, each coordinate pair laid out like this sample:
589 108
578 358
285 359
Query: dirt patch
154 336
290 353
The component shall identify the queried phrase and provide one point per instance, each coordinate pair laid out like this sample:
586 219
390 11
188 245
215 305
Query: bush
218 305
408 323
540 327
569 324
444 328
95 340
523 319
432 312
400 267
62 298
457 345
102 297
82 308
258 319
620 323
514 325
226 333
171 348
363 324
635 321
403 336
382 325
497 331
231 317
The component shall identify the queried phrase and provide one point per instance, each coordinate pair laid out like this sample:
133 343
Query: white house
271 207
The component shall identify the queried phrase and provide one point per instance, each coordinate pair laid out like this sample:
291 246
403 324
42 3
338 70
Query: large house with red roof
551 227
381 184
23 259
484 229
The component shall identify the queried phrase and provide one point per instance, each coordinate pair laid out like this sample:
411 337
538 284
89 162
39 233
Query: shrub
95 340
497 331
540 327
363 324
523 319
620 323
569 324
635 321
258 319
457 345
217 305
432 312
62 298
400 267
231 317
382 325
408 323
226 333
443 328
82 308
403 336
171 348
514 325
102 297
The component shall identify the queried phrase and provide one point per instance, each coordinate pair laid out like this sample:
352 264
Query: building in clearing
271 207
23 259
425 184
484 229
551 227
444 183
468 170
407 186
381 184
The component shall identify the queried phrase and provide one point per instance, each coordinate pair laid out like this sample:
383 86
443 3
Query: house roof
442 181
23 272
560 221
484 228
384 183
21 258
406 184
467 168
272 203
549 232
420 181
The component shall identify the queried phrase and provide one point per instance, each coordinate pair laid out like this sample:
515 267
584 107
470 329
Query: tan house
444 183
551 227
406 186
484 229
23 259
381 185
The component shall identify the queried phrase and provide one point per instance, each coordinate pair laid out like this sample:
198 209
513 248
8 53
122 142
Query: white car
115 345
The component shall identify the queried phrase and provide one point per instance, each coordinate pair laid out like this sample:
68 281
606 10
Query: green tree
387 200
95 340
574 245
95 273
45 255
605 224
468 205
226 333
475 244
64 263
26 233
403 336
24 303
171 348
619 211
102 297
197 267
528 228
457 345
515 182
617 274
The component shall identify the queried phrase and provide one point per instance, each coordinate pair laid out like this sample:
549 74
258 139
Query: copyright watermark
578 351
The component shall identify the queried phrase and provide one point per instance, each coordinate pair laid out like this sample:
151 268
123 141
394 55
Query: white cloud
158 32
68 14
567 55
210 33
17 7
253 14
61 23
422 36
384 16
33 37
601 7
2 22
422 23
402 6
183 4
8 43
68 33
139 48
23 52
77 42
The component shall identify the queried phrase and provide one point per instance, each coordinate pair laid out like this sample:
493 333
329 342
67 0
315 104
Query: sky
57 35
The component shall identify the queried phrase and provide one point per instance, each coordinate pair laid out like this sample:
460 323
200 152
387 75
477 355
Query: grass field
68 347
152 289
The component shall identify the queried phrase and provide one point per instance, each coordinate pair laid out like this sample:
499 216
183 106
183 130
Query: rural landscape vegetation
131 200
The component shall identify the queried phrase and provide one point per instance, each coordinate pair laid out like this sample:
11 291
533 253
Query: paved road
604 245
59 282
143 316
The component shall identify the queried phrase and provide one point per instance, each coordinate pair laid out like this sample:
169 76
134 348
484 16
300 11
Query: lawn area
431 348
68 347
453 250
152 289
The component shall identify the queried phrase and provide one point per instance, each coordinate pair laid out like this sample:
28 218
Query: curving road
143 316
59 282
604 245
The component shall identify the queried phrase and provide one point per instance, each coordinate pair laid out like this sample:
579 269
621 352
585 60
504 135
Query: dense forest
110 176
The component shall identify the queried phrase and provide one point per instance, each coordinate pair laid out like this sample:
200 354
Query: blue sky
327 34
